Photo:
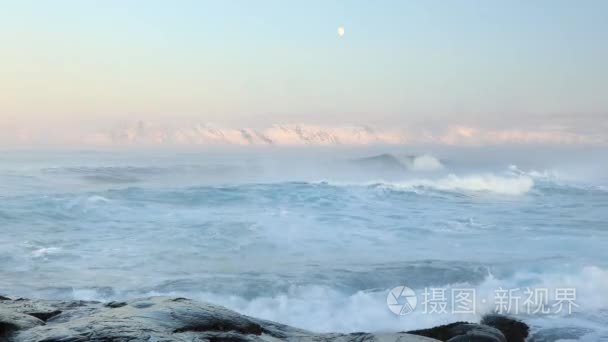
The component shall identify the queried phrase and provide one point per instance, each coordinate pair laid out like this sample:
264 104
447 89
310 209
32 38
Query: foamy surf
489 183
475 183
324 308
425 162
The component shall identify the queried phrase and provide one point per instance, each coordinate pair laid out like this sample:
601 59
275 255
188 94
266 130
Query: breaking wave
476 183
489 183
426 163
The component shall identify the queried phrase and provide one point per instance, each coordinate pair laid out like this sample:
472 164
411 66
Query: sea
329 239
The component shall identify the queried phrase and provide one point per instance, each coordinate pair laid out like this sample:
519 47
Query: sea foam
474 183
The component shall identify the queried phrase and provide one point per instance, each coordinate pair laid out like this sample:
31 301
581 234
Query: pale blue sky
258 62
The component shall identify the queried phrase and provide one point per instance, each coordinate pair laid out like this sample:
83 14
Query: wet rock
493 328
12 321
462 331
115 304
45 315
156 319
514 330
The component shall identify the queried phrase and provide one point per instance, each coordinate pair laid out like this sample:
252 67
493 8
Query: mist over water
314 238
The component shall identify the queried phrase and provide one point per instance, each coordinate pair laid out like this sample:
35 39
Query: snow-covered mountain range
154 134
305 134
278 134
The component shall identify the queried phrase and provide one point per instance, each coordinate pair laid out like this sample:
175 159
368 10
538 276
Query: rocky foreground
159 319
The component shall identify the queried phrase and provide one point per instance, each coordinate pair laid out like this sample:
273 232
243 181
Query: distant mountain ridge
291 134
278 134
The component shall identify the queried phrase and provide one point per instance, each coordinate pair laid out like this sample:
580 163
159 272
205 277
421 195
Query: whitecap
96 199
474 183
502 185
426 162
44 252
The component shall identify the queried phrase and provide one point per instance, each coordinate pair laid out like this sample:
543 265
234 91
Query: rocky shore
159 319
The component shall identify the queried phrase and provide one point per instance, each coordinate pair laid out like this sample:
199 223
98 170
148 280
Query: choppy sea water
316 240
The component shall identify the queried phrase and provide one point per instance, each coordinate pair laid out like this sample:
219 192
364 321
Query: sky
87 66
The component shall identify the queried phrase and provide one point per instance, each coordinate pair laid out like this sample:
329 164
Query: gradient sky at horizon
498 63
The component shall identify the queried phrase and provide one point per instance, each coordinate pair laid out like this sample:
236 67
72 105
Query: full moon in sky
341 31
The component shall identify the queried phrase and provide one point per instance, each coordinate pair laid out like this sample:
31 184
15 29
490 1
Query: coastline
182 319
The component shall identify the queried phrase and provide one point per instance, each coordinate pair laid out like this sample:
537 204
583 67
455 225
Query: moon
341 31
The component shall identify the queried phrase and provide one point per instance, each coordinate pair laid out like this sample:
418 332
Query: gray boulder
493 328
154 319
